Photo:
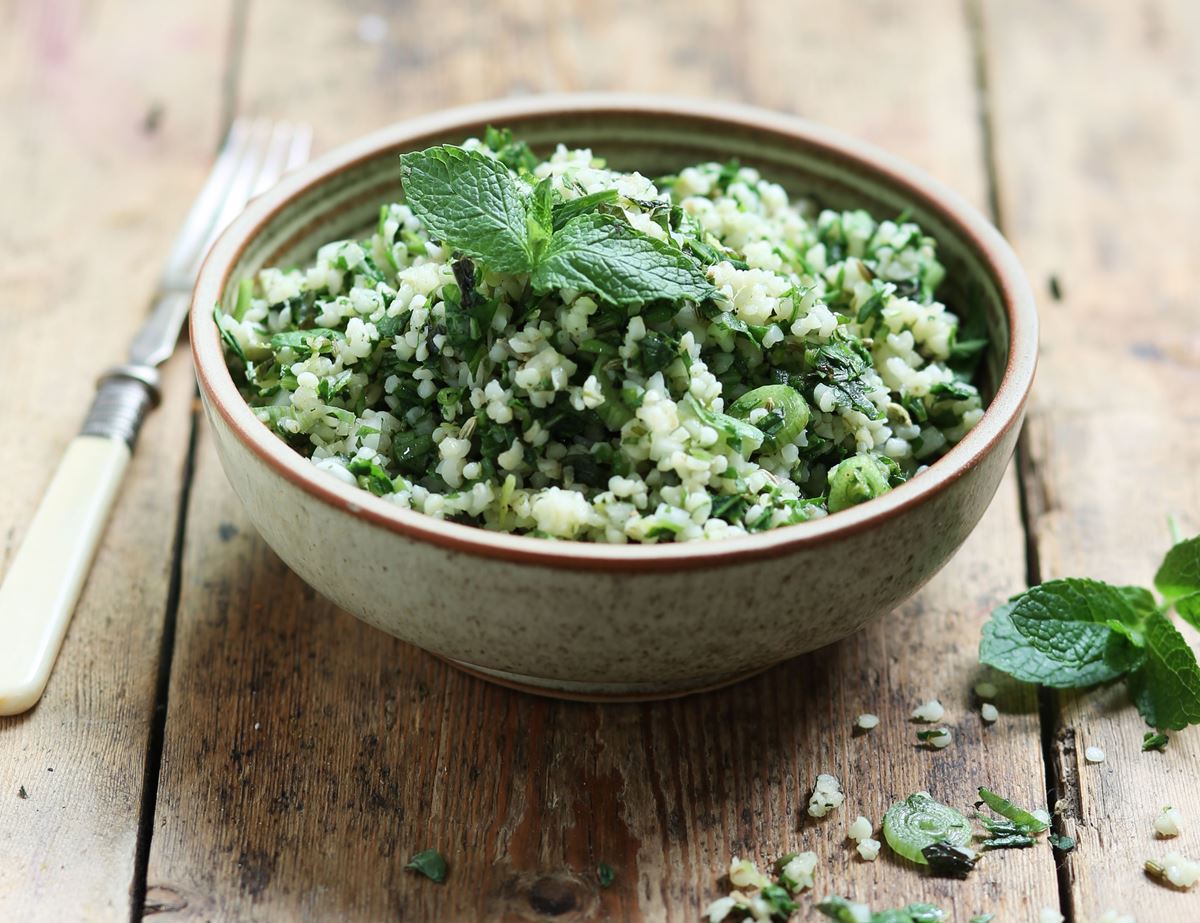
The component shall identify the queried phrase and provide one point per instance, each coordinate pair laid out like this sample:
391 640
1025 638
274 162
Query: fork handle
47 573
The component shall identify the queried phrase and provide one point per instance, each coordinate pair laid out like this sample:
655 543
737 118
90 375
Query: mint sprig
472 203
1076 633
604 255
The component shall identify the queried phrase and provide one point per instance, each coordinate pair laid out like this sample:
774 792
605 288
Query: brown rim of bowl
966 222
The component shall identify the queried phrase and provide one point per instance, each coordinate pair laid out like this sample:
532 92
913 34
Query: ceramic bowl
621 621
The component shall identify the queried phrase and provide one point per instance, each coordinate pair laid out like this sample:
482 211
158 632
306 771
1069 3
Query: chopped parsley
429 863
1062 842
605 874
948 860
1154 741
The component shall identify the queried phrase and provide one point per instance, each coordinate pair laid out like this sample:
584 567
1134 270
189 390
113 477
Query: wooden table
218 743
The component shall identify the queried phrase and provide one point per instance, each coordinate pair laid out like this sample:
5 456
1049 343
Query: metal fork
43 582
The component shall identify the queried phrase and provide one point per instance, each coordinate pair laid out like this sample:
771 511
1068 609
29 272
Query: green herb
305 341
983 918
1154 741
245 293
948 860
1018 816
1055 288
1166 688
605 874
573 208
779 901
230 341
1008 841
967 349
840 364
430 864
1061 842
21 793
514 154
1073 633
377 480
844 911
1179 579
472 203
919 821
604 255
935 734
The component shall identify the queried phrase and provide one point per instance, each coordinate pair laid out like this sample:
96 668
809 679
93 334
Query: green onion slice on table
918 821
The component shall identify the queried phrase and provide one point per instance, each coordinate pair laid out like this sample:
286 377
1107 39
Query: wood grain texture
308 756
99 162
1098 181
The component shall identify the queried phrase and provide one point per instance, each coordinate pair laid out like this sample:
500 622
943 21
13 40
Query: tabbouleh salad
554 348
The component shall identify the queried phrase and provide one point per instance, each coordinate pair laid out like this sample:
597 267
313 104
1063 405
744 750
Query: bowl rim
1003 412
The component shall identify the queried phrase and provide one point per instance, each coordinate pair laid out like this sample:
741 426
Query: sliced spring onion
919 821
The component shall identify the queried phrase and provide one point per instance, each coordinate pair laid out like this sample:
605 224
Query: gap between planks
1026 472
138 907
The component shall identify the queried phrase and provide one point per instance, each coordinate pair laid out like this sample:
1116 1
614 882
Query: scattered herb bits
938 738
605 874
430 864
1064 844
21 793
1154 741
948 860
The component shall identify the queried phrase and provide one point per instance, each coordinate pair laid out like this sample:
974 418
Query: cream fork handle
47 573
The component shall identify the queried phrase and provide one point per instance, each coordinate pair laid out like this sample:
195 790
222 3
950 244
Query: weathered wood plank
1095 120
307 756
107 137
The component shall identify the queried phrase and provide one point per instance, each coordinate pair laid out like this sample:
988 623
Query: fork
47 573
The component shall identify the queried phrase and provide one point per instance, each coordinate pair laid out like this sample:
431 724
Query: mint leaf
573 208
1180 572
1142 600
541 218
1057 634
471 203
1166 688
1189 607
604 256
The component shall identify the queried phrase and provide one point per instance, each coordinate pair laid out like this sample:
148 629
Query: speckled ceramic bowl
586 620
